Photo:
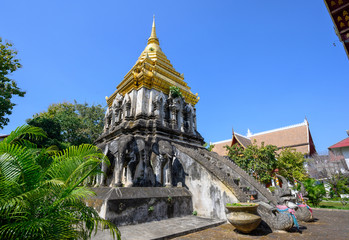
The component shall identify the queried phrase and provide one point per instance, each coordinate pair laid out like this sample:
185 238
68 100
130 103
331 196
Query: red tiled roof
219 147
296 136
244 141
343 143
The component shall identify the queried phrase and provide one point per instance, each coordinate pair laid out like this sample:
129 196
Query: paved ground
329 224
165 229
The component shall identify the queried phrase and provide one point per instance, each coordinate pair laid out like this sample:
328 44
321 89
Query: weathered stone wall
126 206
173 113
209 194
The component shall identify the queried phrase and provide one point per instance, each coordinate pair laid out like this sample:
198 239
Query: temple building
339 12
144 93
158 167
143 112
340 150
296 136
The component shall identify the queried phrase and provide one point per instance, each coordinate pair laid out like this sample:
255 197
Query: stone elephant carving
132 165
140 169
124 159
101 178
162 163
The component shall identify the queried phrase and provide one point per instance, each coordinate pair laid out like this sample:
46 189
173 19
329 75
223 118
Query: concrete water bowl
243 216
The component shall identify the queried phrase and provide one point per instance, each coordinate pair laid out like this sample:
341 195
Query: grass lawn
333 205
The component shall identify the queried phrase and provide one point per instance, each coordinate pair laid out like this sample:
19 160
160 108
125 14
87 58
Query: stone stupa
143 115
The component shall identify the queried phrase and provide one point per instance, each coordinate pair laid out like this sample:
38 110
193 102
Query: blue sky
255 64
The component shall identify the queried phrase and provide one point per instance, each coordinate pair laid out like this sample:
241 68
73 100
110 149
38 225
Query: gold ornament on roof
154 71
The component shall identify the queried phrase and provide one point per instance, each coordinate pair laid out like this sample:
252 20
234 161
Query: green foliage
42 192
332 205
151 209
195 213
239 204
52 127
291 165
272 189
69 124
208 146
257 161
236 153
316 191
175 91
8 87
339 185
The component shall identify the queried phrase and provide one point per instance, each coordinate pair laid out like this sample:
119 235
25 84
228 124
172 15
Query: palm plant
42 192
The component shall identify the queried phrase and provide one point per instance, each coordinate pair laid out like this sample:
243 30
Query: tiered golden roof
154 71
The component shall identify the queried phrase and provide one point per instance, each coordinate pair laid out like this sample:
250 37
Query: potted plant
243 216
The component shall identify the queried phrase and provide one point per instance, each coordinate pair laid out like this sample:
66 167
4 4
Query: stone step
164 229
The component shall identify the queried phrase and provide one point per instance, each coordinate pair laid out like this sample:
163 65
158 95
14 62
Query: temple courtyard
329 224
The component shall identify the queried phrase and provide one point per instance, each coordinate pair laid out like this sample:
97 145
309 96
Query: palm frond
31 132
42 195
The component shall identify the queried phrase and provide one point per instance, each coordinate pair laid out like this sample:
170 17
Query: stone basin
245 217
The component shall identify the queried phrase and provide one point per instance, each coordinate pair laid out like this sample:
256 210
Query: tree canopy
257 161
261 161
8 87
339 185
291 165
69 124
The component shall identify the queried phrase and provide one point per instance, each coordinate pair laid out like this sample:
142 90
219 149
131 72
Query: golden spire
154 71
153 38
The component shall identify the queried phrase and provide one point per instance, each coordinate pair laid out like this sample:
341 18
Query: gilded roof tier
154 71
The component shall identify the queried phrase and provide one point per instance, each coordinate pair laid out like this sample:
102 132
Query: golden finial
153 38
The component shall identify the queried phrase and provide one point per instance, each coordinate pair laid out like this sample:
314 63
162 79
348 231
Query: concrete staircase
236 179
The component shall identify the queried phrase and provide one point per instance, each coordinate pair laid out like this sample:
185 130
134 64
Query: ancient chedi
151 140
142 113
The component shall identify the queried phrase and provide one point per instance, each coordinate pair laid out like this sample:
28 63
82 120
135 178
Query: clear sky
255 64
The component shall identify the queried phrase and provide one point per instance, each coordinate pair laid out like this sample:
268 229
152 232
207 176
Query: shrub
316 191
